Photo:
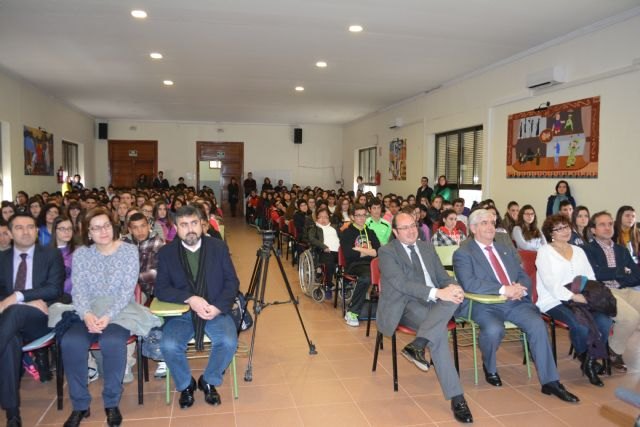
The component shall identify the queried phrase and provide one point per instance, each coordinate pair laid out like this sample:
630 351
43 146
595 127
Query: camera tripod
256 291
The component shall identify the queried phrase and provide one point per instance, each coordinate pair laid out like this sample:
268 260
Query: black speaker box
297 136
103 130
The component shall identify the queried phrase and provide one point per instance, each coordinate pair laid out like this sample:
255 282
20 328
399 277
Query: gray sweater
96 276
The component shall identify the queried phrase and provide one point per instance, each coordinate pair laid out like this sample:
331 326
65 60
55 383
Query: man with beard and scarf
197 270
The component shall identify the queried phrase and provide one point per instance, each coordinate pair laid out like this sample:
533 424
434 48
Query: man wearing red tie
485 267
30 277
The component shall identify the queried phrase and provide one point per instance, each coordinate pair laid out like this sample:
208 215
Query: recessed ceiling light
155 55
355 28
139 14
321 64
167 82
299 88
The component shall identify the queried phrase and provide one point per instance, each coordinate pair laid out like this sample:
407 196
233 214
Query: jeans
578 332
176 334
75 350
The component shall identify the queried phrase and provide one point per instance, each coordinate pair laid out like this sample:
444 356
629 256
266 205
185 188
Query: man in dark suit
417 292
32 276
612 264
424 190
489 268
160 181
197 270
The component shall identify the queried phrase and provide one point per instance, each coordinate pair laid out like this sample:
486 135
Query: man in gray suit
417 292
489 268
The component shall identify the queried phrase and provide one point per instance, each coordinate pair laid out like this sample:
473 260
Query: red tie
21 275
502 276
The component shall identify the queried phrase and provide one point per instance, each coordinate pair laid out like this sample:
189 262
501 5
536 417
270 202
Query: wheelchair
314 278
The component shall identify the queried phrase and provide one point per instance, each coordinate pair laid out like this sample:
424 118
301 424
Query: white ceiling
239 60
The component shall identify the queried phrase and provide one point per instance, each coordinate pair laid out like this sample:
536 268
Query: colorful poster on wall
560 141
398 160
38 152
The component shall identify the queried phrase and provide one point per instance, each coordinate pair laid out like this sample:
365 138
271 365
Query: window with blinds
367 165
70 158
459 157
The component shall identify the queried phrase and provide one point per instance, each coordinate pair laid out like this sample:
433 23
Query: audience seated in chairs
485 267
558 263
323 238
420 294
613 265
32 277
448 234
359 245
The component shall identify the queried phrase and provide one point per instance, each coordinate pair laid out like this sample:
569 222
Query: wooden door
129 159
231 155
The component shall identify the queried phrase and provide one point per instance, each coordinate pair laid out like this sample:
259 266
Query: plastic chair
451 327
490 299
167 309
445 253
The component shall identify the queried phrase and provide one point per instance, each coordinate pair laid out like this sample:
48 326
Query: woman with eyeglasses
526 233
104 274
558 263
63 240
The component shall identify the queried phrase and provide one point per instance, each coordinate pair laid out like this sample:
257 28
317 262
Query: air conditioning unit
547 77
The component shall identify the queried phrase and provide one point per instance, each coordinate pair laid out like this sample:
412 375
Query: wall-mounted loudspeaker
103 131
297 136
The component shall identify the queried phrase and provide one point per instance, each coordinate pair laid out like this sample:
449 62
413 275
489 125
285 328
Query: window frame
371 153
478 146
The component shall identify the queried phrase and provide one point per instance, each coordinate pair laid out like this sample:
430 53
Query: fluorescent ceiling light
299 88
139 14
355 28
321 64
167 82
155 55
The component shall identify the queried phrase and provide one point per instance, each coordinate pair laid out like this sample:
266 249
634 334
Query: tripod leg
294 300
259 285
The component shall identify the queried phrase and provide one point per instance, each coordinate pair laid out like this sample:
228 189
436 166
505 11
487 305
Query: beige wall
22 104
599 64
317 161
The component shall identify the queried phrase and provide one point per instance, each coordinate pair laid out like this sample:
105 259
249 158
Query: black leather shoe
461 412
14 421
75 418
41 360
617 362
114 417
559 391
211 395
186 396
589 369
492 377
416 356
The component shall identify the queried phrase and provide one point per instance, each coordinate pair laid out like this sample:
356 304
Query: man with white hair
489 268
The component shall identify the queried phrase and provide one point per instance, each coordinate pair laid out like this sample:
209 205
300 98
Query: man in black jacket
613 265
31 277
359 246
424 190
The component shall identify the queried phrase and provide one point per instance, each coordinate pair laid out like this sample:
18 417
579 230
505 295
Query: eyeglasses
529 214
97 228
406 227
64 229
560 228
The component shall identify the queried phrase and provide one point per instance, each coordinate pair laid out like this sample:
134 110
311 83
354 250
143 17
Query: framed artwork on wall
398 160
560 141
38 152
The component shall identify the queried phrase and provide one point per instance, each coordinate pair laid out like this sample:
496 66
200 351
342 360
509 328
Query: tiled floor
337 388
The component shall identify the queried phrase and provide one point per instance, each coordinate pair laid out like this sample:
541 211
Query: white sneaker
128 375
161 370
93 375
352 319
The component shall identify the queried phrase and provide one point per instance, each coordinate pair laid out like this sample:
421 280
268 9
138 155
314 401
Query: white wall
22 104
598 63
317 161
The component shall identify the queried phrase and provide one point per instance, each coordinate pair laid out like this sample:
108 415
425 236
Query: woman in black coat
233 190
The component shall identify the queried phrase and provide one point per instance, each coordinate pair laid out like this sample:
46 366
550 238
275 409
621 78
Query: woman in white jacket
558 263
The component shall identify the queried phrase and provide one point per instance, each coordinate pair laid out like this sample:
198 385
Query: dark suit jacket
399 283
475 274
47 275
603 272
172 284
